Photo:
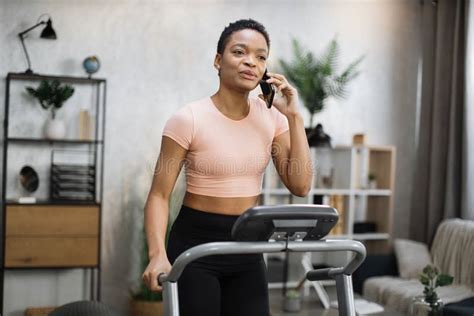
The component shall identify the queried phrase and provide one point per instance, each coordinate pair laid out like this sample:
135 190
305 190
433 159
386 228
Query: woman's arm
291 156
290 151
168 166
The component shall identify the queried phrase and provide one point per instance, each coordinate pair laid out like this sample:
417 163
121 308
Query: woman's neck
232 103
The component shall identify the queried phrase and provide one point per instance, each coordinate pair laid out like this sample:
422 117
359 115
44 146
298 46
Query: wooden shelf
276 191
373 192
71 79
364 192
369 147
9 202
371 236
330 191
52 141
366 236
293 284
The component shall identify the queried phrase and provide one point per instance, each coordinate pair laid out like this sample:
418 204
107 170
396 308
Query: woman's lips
247 75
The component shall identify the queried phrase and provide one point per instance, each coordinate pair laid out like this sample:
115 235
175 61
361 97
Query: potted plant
51 96
372 181
292 303
431 278
316 78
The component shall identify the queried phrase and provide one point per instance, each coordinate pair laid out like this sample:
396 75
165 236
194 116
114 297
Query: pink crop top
225 158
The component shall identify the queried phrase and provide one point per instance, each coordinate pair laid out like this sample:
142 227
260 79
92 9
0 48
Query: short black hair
238 26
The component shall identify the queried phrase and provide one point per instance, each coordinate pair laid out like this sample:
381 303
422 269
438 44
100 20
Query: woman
225 142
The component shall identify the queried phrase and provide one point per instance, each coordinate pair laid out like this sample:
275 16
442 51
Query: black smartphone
267 89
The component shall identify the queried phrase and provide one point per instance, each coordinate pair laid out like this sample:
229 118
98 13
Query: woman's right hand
157 265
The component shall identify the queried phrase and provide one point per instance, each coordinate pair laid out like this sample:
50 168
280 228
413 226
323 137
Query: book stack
72 182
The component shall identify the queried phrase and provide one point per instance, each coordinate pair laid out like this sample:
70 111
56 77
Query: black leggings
219 285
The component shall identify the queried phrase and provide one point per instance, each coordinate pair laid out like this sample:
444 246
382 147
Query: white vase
54 129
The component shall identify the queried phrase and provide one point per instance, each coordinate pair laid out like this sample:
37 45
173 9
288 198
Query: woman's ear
217 62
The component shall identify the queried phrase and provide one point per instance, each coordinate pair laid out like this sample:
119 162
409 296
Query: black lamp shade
48 32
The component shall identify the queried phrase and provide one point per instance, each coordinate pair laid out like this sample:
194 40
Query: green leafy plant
431 278
316 78
372 177
51 95
293 294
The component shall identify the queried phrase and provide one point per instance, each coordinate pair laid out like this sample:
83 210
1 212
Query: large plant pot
317 137
144 308
55 129
310 133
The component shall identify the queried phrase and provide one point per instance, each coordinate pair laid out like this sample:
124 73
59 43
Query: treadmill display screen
301 223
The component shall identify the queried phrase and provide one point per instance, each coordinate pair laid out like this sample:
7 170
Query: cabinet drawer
52 220
51 252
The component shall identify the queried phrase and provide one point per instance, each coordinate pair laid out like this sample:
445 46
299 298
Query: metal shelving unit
68 211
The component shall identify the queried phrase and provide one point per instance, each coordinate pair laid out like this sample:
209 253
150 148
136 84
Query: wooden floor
311 305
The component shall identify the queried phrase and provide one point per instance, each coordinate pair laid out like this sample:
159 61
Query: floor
311 305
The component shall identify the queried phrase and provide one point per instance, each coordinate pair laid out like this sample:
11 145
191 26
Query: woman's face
244 60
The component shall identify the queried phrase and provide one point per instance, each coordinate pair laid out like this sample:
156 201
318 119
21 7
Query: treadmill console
285 222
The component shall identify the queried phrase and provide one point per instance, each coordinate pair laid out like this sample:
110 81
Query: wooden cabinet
51 236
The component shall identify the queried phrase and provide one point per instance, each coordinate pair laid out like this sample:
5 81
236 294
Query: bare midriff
220 205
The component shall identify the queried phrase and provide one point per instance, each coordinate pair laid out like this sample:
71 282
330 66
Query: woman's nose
249 61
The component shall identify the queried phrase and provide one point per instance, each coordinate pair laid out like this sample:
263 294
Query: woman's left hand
286 96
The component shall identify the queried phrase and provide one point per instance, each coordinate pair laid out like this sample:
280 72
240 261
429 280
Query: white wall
157 55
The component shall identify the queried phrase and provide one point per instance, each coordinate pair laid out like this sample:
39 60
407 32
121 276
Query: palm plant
316 78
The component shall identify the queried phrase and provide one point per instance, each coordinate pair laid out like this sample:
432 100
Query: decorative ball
91 64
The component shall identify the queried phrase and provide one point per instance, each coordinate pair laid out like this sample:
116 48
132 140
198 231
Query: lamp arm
31 28
22 39
26 53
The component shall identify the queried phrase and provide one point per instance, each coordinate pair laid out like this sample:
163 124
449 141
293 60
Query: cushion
374 265
412 257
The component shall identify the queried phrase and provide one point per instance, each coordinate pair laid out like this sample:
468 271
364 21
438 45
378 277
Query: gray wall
157 55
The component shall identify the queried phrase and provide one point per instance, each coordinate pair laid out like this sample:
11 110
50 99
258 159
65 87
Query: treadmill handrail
227 248
218 248
327 245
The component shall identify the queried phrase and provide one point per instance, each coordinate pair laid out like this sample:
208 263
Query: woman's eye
262 58
238 52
